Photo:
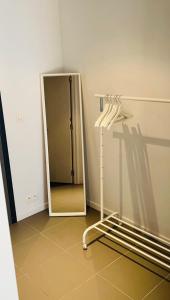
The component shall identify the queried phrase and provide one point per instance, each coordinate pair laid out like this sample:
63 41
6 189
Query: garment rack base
134 238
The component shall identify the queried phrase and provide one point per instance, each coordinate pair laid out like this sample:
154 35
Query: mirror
64 147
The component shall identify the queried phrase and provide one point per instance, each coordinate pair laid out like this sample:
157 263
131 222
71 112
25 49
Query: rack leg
86 232
94 226
84 238
101 174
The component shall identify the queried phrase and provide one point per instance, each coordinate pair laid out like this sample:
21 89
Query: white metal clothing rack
133 237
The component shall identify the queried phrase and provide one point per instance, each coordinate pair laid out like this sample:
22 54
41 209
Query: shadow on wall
144 210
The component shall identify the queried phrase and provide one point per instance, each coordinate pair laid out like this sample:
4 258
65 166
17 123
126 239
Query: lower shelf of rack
134 238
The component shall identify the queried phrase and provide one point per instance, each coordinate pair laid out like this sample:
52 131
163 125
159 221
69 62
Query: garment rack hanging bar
135 98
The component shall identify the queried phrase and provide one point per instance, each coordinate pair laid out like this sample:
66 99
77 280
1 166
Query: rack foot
84 247
94 226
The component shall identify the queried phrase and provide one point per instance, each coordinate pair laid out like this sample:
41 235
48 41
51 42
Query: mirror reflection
65 144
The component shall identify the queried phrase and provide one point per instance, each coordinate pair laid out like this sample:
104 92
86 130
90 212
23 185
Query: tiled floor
50 263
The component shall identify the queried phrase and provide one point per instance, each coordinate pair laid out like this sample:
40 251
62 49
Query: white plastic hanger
111 113
102 124
117 113
106 110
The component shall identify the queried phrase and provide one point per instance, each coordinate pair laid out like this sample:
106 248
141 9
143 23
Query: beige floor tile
92 217
42 221
113 245
148 264
20 232
59 275
67 233
28 291
52 273
130 277
98 255
162 292
34 251
18 272
96 289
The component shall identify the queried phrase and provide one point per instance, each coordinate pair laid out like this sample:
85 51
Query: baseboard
97 207
108 212
32 211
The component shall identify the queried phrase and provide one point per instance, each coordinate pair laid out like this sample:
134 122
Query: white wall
8 286
123 47
29 44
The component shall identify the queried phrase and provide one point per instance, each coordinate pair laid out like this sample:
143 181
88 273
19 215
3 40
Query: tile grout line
96 273
25 240
111 263
79 286
155 287
42 234
64 250
120 255
52 241
57 245
29 225
52 226
115 287
92 276
20 277
77 243
27 275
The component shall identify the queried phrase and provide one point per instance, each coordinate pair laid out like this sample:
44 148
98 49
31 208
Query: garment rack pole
101 166
130 231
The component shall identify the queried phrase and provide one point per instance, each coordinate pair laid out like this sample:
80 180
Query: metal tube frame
134 240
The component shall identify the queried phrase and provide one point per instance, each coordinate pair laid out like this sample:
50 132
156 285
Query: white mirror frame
42 76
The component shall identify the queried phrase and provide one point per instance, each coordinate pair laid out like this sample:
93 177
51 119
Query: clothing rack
135 238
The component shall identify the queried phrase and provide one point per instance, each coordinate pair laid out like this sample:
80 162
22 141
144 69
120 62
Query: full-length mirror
64 147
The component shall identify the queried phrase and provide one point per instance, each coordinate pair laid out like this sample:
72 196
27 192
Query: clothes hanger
108 112
105 111
124 114
121 114
117 113
112 112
